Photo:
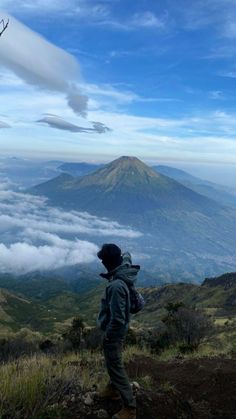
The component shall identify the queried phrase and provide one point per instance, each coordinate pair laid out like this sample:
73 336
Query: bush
75 333
186 325
24 342
46 346
92 338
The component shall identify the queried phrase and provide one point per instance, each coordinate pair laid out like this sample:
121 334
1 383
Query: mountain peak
127 171
124 186
127 159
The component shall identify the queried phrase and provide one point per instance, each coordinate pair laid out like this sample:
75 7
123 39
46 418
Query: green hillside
49 314
17 312
214 300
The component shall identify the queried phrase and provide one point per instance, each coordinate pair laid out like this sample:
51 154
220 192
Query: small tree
75 332
186 325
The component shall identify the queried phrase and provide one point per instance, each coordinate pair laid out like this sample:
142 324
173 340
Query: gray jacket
114 315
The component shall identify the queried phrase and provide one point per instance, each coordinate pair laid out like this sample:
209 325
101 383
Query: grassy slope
54 387
214 300
47 314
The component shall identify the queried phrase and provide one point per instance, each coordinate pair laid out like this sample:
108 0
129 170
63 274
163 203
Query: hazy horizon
222 174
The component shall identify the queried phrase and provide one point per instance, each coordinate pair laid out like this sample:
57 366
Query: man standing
114 320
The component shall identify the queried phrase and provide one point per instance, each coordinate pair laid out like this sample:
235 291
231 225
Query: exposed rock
102 414
135 386
88 399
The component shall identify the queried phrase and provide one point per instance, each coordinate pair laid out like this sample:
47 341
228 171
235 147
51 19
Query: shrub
186 325
46 345
75 333
92 338
24 342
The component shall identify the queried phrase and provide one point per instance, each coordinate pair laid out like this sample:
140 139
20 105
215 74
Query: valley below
180 350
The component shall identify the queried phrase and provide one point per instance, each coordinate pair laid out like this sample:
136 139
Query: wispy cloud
216 94
148 19
37 236
55 121
219 15
120 96
89 12
37 6
230 74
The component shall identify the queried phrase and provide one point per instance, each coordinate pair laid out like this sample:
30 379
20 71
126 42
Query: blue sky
158 79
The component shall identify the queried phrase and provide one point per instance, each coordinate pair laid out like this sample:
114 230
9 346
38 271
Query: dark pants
115 367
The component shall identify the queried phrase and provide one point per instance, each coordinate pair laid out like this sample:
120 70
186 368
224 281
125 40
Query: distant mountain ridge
126 184
185 234
221 194
78 169
227 280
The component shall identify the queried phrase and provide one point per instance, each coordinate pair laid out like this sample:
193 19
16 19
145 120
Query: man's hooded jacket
114 315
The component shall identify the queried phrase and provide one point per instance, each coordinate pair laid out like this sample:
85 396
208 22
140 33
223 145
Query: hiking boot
126 413
109 392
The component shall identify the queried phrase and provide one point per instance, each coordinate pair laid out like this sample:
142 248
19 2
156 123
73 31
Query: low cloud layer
55 121
40 63
23 257
36 236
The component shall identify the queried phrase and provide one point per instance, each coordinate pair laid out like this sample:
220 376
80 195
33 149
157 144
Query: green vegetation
30 387
50 349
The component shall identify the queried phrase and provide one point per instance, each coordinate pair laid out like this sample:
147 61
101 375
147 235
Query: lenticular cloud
40 63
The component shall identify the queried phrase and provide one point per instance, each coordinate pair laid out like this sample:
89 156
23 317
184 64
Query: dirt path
192 389
207 385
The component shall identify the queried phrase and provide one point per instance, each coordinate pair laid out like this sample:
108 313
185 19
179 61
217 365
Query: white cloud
146 137
148 20
118 96
90 12
22 257
36 6
230 74
55 121
40 63
23 210
37 236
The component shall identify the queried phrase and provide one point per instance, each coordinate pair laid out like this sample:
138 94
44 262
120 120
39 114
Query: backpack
137 301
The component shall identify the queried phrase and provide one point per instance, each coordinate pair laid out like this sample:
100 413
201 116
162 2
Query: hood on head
127 274
126 271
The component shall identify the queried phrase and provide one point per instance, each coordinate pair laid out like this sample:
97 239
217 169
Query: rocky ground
179 389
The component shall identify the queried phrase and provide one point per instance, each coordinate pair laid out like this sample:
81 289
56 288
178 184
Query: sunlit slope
16 311
213 298
217 297
124 186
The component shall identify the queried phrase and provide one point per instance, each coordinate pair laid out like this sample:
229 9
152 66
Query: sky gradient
93 80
